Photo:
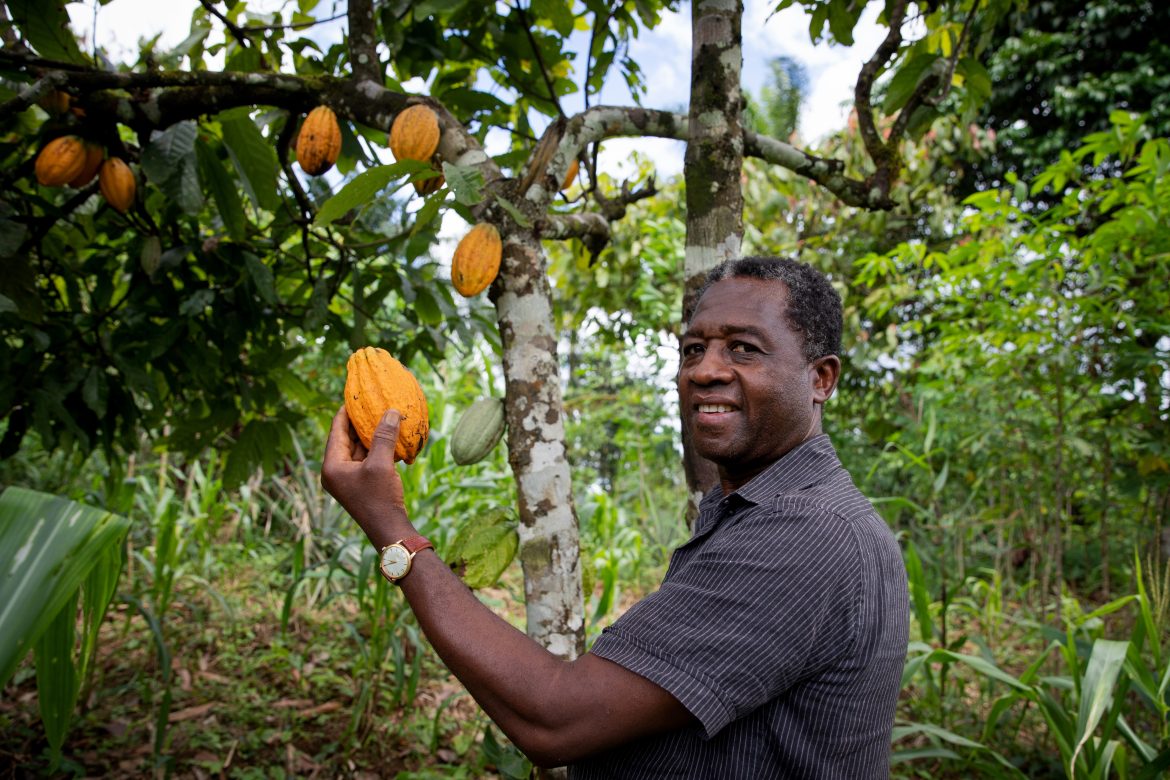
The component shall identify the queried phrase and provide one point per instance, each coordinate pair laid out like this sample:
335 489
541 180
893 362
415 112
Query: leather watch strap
416 544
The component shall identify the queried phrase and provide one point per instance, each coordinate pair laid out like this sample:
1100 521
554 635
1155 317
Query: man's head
814 307
758 361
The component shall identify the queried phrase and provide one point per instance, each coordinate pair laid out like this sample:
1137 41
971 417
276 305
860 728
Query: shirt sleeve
765 600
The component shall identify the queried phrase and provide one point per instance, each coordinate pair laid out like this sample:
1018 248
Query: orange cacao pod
571 174
93 161
414 134
375 382
477 260
319 141
62 159
56 102
117 183
430 186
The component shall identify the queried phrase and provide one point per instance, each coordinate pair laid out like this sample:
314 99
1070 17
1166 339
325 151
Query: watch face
395 561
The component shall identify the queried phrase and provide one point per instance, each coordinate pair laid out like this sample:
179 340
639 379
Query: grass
248 700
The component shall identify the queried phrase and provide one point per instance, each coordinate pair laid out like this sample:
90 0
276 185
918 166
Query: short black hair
814 307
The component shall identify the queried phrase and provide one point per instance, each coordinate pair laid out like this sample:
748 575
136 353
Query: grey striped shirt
781 625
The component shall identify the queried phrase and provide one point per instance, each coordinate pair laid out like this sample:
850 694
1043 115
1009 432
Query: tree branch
552 92
231 26
882 154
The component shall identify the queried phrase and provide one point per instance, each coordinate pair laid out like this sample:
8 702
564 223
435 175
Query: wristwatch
395 559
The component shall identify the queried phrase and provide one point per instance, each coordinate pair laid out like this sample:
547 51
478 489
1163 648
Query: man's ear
825 373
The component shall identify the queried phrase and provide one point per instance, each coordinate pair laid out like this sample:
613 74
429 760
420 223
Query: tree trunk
713 166
549 542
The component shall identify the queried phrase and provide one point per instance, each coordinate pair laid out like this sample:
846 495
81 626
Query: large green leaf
363 188
1105 664
483 548
253 157
48 546
45 25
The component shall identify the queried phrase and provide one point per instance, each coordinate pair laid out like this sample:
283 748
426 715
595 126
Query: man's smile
715 408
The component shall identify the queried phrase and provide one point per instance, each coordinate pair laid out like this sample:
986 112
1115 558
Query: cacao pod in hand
477 260
319 141
375 382
478 431
93 161
60 161
117 183
414 134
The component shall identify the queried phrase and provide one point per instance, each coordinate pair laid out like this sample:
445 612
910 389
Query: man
774 647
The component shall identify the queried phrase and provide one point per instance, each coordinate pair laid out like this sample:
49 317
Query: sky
663 54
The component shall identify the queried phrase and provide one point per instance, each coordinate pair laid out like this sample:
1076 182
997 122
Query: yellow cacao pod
93 161
319 141
375 382
414 134
117 183
477 260
60 161
571 174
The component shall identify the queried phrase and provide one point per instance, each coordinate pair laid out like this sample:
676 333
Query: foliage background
1005 403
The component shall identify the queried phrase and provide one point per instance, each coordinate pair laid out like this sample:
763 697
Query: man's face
746 392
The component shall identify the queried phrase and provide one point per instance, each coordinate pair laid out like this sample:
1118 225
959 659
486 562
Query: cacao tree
179 302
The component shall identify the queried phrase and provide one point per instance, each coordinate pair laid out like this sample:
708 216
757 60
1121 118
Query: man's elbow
547 748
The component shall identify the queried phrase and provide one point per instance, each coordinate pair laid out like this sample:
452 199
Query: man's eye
689 350
739 346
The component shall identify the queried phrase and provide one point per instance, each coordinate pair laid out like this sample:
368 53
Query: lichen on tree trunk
713 165
549 542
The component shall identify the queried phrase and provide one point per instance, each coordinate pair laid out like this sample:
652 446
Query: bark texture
713 165
549 544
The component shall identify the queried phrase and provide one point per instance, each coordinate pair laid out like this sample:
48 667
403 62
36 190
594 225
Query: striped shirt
781 625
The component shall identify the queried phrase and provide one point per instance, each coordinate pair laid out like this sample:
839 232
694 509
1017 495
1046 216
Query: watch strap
416 544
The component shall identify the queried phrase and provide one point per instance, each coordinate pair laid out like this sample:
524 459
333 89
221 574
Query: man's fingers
385 439
339 446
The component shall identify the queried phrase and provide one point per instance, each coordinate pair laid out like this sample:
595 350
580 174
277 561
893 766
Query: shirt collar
803 465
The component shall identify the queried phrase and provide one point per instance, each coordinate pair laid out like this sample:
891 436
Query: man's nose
713 367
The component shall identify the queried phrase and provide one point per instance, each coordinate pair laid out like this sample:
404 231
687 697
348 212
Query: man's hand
366 483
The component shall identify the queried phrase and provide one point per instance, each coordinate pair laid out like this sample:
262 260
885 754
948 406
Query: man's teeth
714 408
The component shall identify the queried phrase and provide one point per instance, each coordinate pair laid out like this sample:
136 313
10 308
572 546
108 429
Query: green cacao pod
478 431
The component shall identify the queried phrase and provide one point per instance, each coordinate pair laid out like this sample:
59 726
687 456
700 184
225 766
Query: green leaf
426 215
515 213
45 25
843 15
254 158
168 149
48 546
1105 663
262 277
362 188
483 548
465 181
223 189
169 161
427 307
976 77
903 83
557 12
57 680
